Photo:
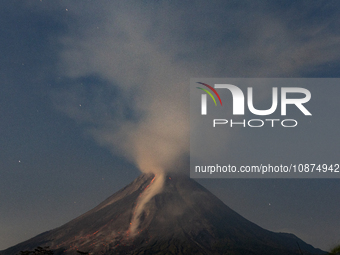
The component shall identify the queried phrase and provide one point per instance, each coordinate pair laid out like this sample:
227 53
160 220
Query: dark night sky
84 84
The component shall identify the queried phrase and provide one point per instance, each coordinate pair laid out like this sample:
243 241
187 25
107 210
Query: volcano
183 218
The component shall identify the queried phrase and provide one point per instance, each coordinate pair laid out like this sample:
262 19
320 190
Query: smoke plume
145 53
151 87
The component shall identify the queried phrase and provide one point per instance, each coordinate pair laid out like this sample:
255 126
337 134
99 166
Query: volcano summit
182 218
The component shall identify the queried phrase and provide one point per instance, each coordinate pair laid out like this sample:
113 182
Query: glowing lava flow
149 192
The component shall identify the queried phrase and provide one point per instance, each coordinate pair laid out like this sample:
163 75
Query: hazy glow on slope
155 186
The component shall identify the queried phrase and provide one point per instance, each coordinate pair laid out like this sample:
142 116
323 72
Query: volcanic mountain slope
184 218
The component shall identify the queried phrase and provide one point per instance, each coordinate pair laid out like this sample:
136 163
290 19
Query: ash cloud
147 52
146 78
